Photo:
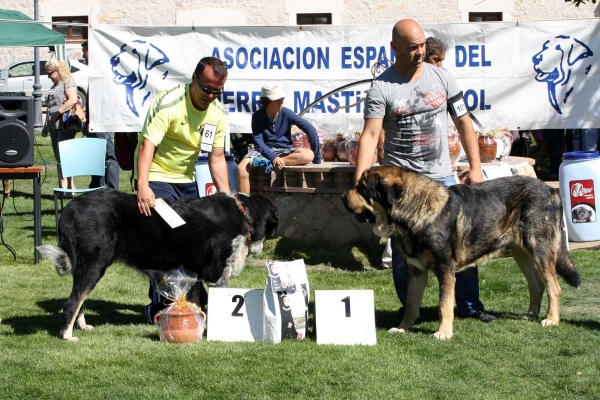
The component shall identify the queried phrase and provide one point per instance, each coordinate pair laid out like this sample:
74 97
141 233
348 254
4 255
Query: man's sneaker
484 317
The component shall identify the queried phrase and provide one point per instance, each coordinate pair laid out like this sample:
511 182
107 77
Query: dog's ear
385 190
578 51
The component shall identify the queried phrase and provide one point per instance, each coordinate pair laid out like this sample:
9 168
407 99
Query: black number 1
346 301
240 302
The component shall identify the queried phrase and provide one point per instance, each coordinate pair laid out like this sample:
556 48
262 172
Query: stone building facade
283 12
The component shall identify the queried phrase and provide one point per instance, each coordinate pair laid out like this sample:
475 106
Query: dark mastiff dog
447 229
106 226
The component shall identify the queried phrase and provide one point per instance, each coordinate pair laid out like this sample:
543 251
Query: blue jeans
111 179
467 281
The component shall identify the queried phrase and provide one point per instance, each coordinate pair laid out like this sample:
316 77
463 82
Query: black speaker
16 131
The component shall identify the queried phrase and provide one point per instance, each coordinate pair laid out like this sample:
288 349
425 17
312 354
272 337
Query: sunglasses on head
208 90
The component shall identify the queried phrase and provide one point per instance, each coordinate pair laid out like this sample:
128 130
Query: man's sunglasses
208 90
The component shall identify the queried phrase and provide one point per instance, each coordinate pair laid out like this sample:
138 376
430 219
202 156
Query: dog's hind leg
417 281
547 265
83 284
534 281
72 312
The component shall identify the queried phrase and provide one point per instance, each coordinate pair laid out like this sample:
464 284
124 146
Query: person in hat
272 137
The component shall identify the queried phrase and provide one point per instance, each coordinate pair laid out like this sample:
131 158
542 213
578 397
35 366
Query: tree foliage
579 2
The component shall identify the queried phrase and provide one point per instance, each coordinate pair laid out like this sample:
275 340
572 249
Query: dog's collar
245 214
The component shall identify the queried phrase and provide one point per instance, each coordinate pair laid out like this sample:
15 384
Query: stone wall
317 217
274 12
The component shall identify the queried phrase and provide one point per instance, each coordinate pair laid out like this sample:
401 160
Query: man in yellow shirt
180 123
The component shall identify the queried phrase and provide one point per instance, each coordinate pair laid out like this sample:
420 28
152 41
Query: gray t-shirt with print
415 119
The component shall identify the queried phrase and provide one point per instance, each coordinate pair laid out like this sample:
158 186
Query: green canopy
18 34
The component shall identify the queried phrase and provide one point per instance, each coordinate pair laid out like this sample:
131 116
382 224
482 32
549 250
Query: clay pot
487 149
352 151
329 150
454 148
297 141
341 151
181 326
305 142
453 145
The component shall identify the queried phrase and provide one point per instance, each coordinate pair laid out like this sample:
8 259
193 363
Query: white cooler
204 181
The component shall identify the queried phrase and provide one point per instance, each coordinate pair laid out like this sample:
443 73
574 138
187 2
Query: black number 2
240 302
346 301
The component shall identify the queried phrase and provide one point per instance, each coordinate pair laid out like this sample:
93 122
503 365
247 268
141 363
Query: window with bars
485 16
313 19
73 33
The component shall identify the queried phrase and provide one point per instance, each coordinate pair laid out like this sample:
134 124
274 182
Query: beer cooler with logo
579 179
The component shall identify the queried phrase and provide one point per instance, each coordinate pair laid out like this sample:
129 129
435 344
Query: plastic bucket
206 187
579 177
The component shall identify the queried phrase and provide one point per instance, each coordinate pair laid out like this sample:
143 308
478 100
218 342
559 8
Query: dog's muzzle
366 216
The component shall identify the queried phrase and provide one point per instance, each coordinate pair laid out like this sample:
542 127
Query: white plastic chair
79 157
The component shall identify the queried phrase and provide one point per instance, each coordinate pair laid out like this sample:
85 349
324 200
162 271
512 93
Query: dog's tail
58 257
564 263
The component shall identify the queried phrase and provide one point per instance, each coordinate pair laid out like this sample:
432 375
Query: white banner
534 74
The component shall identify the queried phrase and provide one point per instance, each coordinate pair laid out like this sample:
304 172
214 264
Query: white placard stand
345 317
235 315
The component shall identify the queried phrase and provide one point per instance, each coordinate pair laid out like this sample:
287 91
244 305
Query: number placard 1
235 315
345 317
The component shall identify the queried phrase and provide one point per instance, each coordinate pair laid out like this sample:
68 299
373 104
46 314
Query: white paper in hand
167 213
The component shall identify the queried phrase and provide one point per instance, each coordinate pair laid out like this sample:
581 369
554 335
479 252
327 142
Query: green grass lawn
122 357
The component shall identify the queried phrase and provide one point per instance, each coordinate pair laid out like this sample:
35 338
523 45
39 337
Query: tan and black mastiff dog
447 229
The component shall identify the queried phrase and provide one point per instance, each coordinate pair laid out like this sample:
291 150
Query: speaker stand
9 248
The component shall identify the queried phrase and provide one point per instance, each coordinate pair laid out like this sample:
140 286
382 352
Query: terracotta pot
352 151
487 149
454 147
181 326
329 150
305 141
298 140
341 151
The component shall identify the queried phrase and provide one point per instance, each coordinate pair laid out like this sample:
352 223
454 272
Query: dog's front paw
398 330
441 335
69 338
549 322
85 327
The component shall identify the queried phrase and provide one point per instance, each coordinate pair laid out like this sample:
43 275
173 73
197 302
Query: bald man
411 101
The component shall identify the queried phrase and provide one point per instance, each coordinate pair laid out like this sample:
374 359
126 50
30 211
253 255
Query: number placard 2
235 315
345 317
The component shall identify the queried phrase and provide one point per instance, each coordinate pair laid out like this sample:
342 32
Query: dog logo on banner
134 76
556 65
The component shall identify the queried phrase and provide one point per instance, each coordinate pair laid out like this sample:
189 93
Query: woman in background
60 99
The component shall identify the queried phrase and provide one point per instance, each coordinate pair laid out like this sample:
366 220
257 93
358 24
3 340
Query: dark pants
170 191
111 179
467 281
553 139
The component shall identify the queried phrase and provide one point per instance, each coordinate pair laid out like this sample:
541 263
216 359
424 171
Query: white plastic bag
181 321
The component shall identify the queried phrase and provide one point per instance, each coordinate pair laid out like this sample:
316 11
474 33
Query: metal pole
37 93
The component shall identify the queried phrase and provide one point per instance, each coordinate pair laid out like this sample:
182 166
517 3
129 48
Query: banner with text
541 74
